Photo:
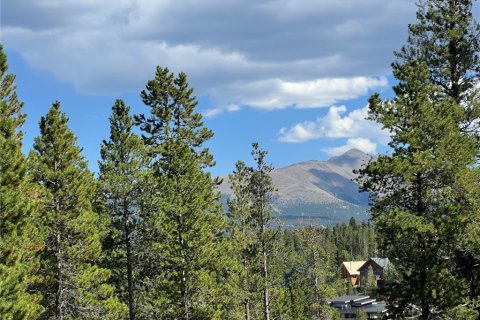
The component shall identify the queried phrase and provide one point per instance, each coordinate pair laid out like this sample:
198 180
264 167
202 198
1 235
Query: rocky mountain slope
319 192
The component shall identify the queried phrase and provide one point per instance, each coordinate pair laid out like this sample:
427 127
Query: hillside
320 192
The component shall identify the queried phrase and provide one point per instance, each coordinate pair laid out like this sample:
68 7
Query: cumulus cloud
278 94
361 133
243 52
363 144
335 125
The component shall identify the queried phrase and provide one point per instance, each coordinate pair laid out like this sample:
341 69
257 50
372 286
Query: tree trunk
246 301
131 303
59 298
425 306
317 296
266 301
183 282
59 294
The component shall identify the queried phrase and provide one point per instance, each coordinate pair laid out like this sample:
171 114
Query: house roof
376 308
347 299
351 304
353 266
382 262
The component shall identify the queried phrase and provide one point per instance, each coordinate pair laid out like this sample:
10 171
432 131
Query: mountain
319 192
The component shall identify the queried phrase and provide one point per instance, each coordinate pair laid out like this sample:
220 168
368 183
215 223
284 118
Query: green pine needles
425 193
20 240
123 191
185 265
75 285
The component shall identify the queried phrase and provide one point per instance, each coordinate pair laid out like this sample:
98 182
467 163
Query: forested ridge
148 237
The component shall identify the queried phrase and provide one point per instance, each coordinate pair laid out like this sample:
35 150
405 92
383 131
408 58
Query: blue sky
293 75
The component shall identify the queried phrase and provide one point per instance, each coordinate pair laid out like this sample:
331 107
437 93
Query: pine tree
19 238
75 286
349 288
371 282
261 188
186 267
423 193
318 268
123 181
446 38
242 234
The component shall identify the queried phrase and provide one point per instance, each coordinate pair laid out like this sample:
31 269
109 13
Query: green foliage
361 315
261 188
461 312
185 268
425 194
243 238
124 189
349 288
320 268
445 38
355 241
306 257
371 283
74 286
19 238
422 193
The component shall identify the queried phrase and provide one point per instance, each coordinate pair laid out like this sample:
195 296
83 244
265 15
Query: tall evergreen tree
446 38
242 235
370 281
250 213
123 181
75 286
261 188
318 272
422 194
19 237
186 265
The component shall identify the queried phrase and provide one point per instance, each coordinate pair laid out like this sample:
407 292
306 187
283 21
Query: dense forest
148 237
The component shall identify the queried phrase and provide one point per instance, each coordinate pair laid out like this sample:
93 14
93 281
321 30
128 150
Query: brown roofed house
350 272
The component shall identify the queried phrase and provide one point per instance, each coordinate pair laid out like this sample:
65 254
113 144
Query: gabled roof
353 266
382 262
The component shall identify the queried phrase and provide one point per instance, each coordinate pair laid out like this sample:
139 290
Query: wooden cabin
350 272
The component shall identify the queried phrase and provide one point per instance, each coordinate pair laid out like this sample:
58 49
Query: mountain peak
323 190
353 158
355 152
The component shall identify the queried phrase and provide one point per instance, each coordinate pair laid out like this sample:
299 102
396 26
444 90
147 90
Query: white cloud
361 133
243 52
213 112
272 94
335 125
363 144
